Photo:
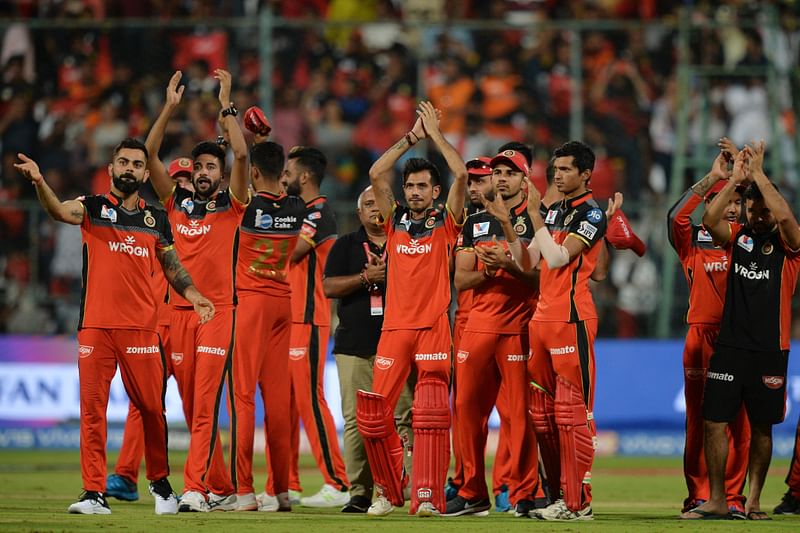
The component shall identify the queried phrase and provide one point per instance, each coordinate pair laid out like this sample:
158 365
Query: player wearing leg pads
575 436
431 422
375 418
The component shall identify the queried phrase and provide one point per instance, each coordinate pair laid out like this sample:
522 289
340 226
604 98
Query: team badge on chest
149 219
767 248
520 227
569 218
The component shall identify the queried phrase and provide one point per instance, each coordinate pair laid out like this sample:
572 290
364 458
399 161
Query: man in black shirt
355 273
751 354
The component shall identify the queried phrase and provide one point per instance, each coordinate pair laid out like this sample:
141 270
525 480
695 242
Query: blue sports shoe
501 501
121 488
450 490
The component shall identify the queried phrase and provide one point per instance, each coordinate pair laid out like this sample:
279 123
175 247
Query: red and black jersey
267 237
418 275
205 237
762 277
501 304
564 294
704 264
309 304
119 263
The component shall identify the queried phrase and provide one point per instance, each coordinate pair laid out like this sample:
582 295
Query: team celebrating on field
230 287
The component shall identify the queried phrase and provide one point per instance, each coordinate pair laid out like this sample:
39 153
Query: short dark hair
268 158
754 193
550 173
311 159
418 164
212 149
522 148
582 154
133 144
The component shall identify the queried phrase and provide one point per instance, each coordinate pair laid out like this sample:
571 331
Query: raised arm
179 279
455 198
233 133
713 220
787 223
70 211
159 178
382 171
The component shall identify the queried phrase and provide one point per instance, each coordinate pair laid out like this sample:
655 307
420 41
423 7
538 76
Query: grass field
630 494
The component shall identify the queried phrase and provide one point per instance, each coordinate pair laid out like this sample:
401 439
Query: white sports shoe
427 509
193 501
166 501
246 502
268 503
218 502
380 507
294 497
90 502
559 511
328 496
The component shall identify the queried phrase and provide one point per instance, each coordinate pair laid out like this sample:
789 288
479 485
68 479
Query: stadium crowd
68 94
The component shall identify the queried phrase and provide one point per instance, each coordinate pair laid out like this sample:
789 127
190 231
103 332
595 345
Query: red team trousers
261 357
132 448
486 364
140 359
201 357
700 340
307 352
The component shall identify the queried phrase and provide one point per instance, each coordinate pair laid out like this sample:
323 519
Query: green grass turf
630 494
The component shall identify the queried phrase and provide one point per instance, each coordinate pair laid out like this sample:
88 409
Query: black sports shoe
460 506
523 508
357 504
789 505
162 488
90 502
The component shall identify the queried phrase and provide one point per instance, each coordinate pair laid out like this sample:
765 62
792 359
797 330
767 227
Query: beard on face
293 188
126 183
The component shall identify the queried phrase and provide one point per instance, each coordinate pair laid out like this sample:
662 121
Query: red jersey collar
578 200
271 196
520 207
316 201
117 201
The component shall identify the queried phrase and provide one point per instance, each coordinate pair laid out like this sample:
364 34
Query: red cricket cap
514 158
620 235
256 121
182 164
480 166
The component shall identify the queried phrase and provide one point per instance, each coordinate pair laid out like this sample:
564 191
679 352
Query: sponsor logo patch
694 374
383 363
129 247
177 357
139 350
587 230
438 356
85 351
315 215
187 205
297 353
516 358
108 213
745 242
563 350
773 382
414 247
704 236
752 272
719 376
193 229
263 220
716 266
551 217
480 228
595 215
212 350
424 493
462 356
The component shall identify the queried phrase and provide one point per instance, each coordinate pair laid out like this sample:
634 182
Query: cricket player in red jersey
479 179
123 239
416 329
750 359
267 238
205 224
706 269
494 348
311 326
122 483
563 329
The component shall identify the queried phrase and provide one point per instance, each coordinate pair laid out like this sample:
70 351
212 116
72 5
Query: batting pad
375 419
577 445
543 417
431 424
